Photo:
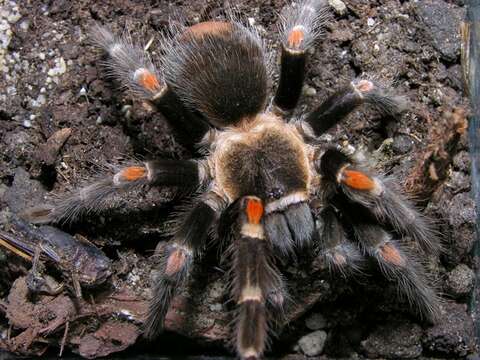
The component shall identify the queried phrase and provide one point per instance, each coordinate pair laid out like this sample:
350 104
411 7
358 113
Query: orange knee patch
175 262
133 173
364 86
208 27
390 253
254 211
357 180
296 37
147 80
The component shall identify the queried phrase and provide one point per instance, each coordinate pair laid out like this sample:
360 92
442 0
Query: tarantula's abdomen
218 68
268 161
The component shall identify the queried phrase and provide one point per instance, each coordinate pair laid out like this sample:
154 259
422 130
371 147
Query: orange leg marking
365 86
133 173
175 262
296 37
208 27
254 211
148 80
390 253
357 180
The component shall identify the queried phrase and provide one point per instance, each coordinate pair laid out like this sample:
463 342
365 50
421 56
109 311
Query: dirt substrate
62 120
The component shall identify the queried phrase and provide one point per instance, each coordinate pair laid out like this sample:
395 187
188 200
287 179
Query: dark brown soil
62 121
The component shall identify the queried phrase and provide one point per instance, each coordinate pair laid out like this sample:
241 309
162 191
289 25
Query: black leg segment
300 27
100 195
189 127
347 99
176 262
292 74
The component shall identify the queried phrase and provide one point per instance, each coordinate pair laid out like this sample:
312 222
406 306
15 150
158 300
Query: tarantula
259 171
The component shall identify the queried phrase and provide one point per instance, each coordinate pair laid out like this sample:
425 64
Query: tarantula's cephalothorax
259 172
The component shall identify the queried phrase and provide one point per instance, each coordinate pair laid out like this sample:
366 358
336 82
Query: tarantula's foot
129 63
345 100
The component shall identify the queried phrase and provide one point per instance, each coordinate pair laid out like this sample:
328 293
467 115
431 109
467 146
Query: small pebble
313 343
338 6
460 281
309 91
24 25
216 307
370 22
27 123
402 144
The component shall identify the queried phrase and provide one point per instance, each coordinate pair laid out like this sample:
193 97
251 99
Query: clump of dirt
62 120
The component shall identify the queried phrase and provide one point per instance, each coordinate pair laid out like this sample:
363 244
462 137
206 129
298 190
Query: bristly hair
311 15
395 208
382 98
254 321
410 276
164 288
128 63
221 72
90 199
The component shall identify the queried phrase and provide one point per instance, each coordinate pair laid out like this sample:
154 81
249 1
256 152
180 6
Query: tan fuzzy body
264 156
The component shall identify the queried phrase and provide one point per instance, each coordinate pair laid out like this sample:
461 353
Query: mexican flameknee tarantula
260 171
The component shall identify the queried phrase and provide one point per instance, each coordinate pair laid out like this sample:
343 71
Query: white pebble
309 91
338 6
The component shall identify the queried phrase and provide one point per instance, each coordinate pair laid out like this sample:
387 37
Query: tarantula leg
340 255
129 63
402 268
176 260
381 196
134 69
344 101
300 28
254 279
98 195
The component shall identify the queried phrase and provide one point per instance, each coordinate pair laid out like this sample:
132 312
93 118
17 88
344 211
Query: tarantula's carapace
259 171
